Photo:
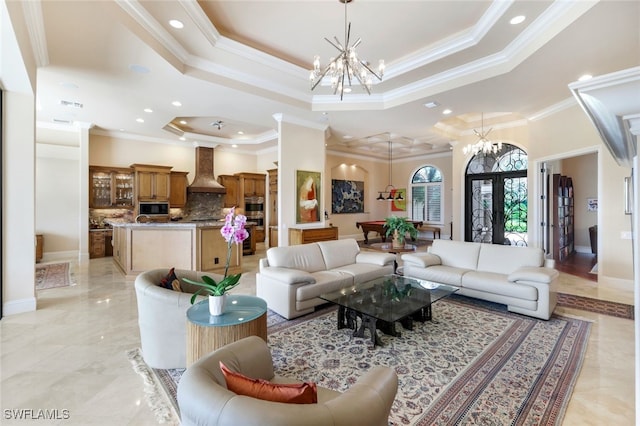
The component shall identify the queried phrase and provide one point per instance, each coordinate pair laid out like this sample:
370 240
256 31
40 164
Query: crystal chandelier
483 145
389 190
342 69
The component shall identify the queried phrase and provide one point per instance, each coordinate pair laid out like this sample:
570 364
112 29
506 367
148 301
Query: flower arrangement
233 231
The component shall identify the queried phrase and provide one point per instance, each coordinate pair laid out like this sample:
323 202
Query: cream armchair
204 399
162 317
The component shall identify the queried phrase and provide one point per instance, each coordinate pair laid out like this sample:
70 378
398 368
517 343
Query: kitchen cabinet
232 185
252 190
212 252
100 243
272 210
110 187
312 235
178 189
152 183
120 246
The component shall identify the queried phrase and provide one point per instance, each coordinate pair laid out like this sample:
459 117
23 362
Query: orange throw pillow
299 393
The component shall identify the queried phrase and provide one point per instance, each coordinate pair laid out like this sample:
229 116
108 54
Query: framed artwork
308 193
347 196
592 204
399 205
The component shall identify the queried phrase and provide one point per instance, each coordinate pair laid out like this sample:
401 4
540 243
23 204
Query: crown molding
553 109
35 28
288 118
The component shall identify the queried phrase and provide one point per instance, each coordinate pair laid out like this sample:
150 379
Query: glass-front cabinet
110 187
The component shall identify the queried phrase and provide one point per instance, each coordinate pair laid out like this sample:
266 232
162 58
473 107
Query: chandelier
347 66
483 145
388 193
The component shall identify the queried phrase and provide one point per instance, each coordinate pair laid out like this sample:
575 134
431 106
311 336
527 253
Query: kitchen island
196 246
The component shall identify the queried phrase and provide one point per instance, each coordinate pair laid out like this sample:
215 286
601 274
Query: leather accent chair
162 317
204 399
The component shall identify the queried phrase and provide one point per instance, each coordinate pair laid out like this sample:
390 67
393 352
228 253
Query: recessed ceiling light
140 69
517 20
176 24
140 120
447 111
122 130
347 90
234 146
182 138
183 121
585 77
149 110
432 104
347 137
176 103
240 132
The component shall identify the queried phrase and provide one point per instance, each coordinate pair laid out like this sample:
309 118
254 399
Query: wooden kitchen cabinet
178 189
232 185
252 191
212 250
98 240
110 187
272 209
152 183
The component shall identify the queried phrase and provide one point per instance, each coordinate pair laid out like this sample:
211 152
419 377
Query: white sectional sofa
291 278
519 277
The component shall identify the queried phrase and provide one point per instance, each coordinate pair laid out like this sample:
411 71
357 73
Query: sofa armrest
381 259
288 275
533 273
550 263
422 259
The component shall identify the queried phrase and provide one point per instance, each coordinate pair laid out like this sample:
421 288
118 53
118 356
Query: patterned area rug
54 275
474 364
614 309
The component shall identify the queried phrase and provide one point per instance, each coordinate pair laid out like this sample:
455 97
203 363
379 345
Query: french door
496 209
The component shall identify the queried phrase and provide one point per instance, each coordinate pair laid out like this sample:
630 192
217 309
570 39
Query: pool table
378 226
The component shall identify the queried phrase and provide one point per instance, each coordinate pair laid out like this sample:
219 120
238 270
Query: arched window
427 195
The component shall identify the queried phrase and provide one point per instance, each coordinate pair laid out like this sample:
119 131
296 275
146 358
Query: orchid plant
233 231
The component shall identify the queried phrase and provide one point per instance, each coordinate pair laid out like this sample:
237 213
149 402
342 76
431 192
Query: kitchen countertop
176 224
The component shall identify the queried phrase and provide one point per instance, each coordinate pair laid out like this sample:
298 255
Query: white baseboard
19 306
53 256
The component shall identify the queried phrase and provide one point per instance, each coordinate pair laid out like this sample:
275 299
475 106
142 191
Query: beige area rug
53 275
474 364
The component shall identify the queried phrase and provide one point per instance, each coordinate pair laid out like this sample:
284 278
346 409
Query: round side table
244 316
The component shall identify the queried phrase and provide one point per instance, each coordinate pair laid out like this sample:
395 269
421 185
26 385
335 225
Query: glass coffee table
382 302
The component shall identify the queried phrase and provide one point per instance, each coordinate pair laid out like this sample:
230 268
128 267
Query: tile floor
70 353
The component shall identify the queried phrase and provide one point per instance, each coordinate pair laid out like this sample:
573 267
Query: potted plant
234 232
399 227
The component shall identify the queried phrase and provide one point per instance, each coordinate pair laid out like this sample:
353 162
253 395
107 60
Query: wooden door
144 182
179 183
162 186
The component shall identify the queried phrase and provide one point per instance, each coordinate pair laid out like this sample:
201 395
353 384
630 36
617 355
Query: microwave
154 208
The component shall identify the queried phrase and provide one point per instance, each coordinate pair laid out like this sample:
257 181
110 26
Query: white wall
58 200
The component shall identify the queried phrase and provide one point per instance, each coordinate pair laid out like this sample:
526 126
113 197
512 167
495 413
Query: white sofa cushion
530 273
438 273
362 272
338 253
458 254
507 259
326 282
306 257
288 276
496 283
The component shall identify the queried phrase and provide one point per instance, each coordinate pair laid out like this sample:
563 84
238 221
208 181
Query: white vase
216 304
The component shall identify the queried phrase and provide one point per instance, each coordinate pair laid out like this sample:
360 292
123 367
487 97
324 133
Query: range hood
204 180
612 102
